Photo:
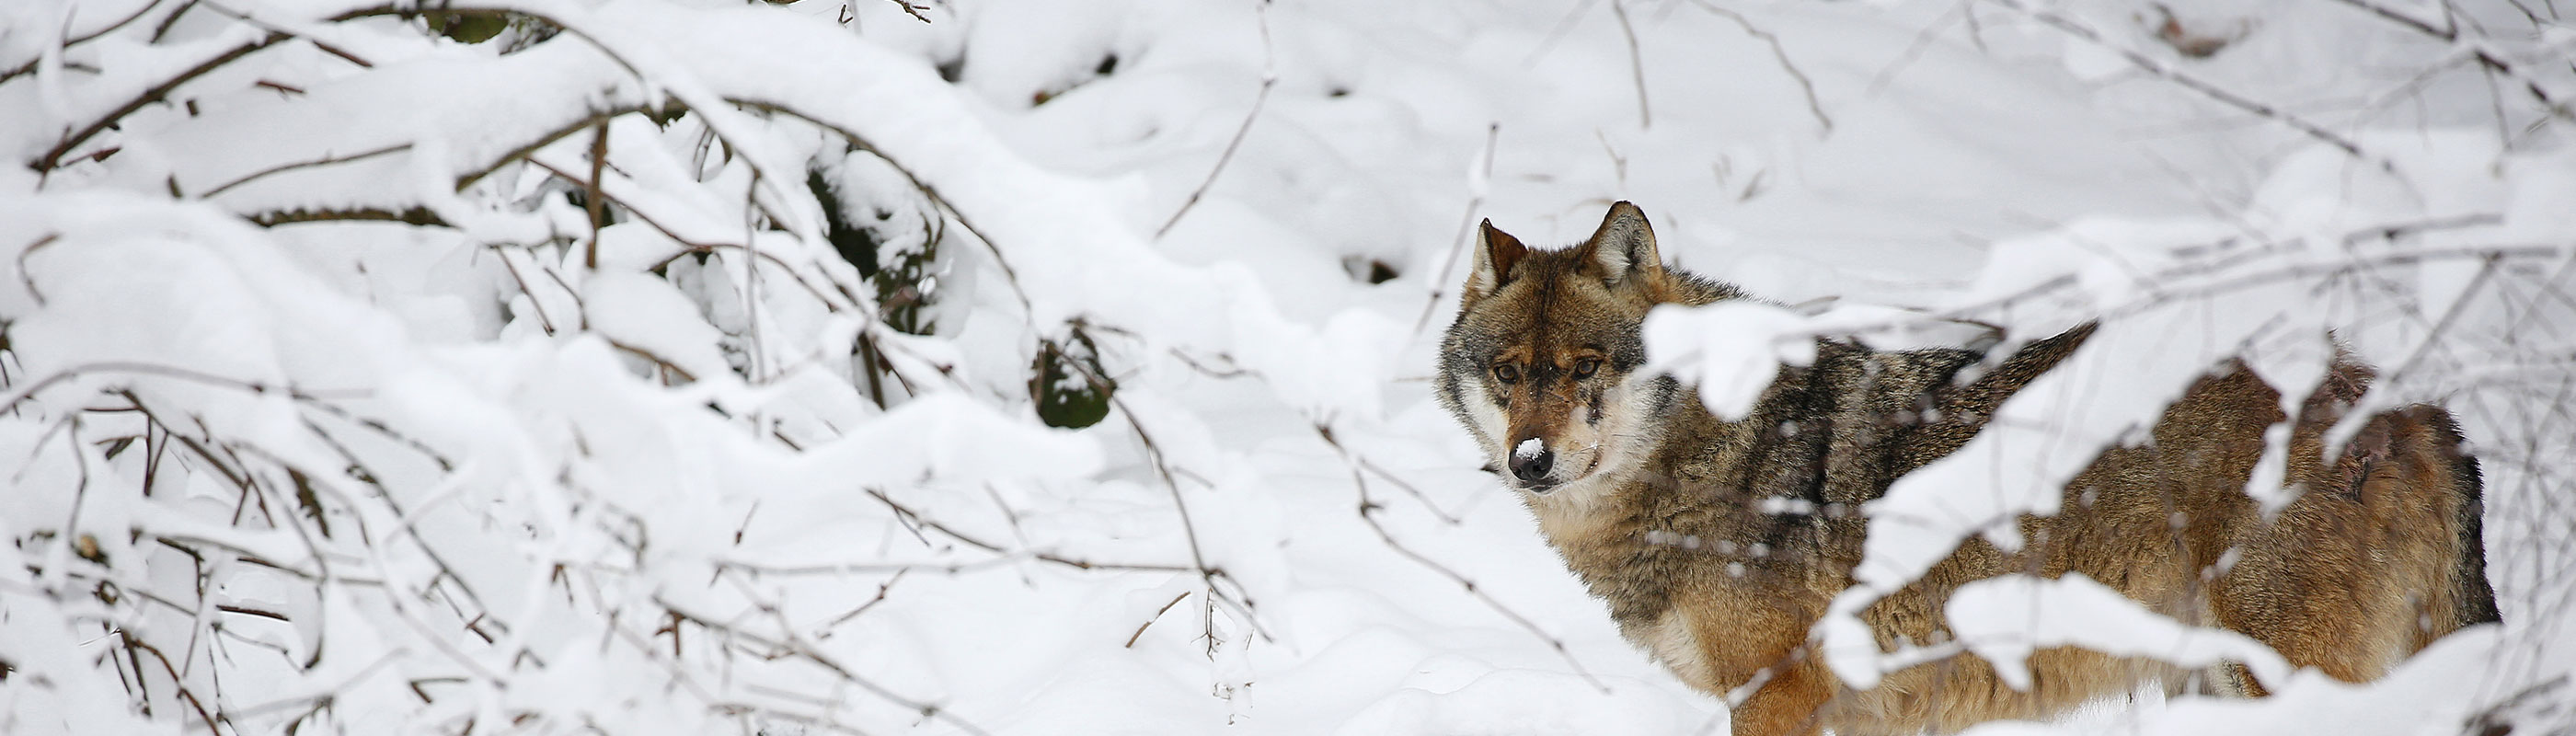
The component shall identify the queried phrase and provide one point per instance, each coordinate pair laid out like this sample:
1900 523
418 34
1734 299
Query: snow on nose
1531 460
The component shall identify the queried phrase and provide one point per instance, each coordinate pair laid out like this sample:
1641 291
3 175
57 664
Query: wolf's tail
2475 597
2472 598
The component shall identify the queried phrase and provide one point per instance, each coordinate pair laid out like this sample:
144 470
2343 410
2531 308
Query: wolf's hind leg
2343 579
1790 704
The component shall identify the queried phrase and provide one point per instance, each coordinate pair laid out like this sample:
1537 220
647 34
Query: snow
2004 619
395 477
1528 448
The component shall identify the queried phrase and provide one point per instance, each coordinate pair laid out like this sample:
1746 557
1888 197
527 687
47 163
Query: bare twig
1636 63
1557 34
318 44
598 161
1440 279
541 142
2450 32
860 142
756 359
310 398
1805 86
646 217
882 589
2167 72
1269 79
1149 620
1914 50
1368 509
53 158
534 304
1400 484
326 160
979 543
30 66
1208 574
912 10
797 647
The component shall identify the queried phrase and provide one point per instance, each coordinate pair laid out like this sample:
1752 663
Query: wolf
1717 544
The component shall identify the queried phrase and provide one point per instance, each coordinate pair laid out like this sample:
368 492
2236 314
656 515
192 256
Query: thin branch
1149 620
1556 34
882 589
325 160
644 216
1478 183
598 161
1408 488
657 360
409 216
1368 509
912 10
860 142
53 158
979 543
1208 574
534 304
596 117
798 647
215 720
1805 85
1914 50
1636 63
162 30
2206 89
30 66
2474 51
301 396
1269 79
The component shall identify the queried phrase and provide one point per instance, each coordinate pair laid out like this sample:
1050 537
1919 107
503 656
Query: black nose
1532 467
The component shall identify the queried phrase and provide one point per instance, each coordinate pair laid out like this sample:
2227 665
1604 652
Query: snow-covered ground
332 405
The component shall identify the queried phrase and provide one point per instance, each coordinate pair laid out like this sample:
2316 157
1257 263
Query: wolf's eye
1584 368
1507 374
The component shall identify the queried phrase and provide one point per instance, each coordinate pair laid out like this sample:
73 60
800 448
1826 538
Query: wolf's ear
1624 247
1496 252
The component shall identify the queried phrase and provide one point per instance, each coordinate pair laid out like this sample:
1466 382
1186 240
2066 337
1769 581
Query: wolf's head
1540 361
